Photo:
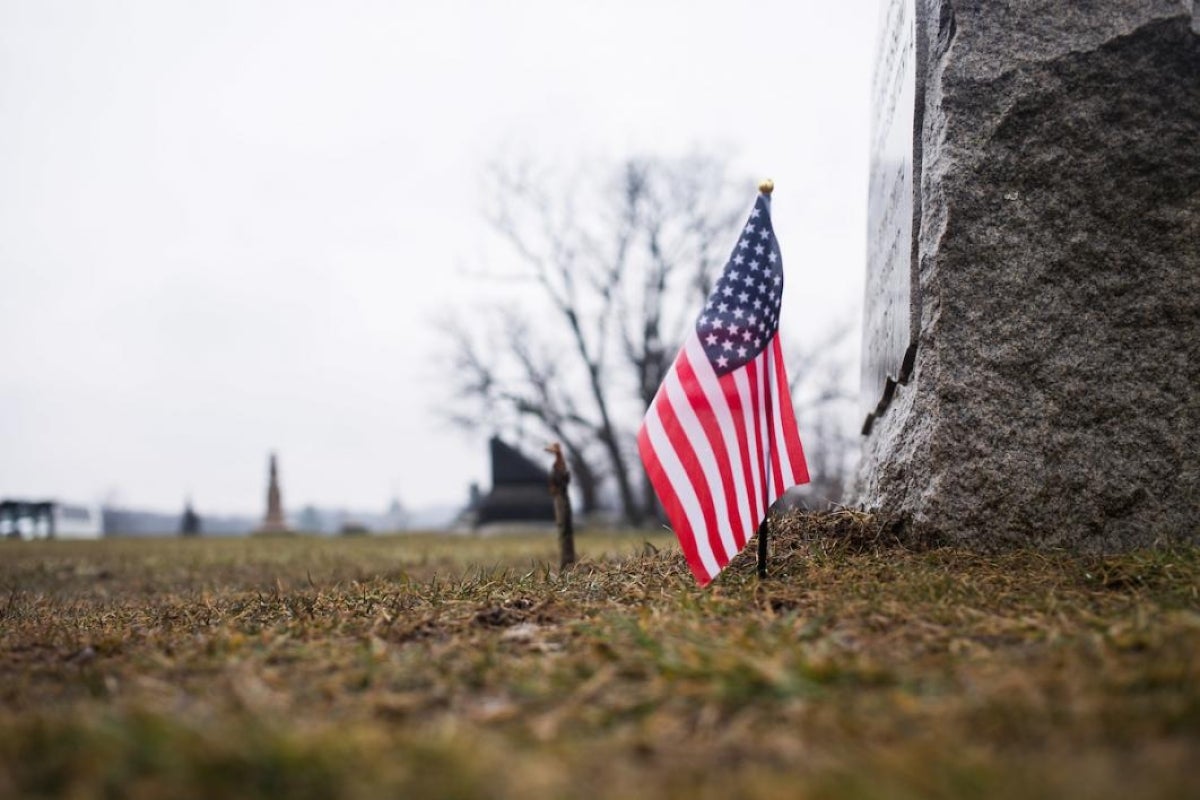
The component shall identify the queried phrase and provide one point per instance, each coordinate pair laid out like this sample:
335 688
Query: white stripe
764 435
752 444
677 476
781 451
707 459
711 386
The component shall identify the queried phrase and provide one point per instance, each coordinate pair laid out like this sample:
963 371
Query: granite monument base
1055 394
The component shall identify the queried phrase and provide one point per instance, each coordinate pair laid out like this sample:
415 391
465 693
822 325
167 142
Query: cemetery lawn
434 667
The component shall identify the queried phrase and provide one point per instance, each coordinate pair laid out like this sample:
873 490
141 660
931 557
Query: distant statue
189 525
274 522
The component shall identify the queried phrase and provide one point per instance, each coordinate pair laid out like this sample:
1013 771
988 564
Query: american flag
720 441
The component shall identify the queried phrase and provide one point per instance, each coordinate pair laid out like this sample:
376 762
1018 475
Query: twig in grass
560 477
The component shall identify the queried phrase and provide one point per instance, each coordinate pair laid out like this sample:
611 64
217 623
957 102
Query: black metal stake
762 549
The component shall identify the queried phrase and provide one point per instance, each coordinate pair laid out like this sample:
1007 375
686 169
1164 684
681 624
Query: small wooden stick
560 477
762 549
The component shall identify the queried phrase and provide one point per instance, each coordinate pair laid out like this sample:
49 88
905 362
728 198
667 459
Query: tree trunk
629 505
585 479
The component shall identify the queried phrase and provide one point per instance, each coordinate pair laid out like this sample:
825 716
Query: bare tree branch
622 263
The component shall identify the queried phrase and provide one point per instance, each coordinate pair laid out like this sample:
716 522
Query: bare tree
823 393
676 233
621 259
506 389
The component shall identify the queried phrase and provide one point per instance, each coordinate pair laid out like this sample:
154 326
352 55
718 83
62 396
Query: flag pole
762 549
765 188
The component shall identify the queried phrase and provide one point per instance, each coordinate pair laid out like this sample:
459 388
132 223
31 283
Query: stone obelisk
274 522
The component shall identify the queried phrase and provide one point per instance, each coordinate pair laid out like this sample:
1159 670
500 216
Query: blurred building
49 519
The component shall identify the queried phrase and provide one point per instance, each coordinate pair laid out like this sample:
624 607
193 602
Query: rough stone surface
1055 397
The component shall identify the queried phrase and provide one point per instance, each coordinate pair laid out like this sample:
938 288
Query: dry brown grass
436 667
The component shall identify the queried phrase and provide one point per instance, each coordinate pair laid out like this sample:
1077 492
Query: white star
738 259
752 320
733 330
726 346
754 266
703 320
778 280
772 257
746 336
759 249
743 297
758 342
717 325
743 244
728 290
741 352
737 312
754 213
764 233
750 227
711 339
758 304
722 362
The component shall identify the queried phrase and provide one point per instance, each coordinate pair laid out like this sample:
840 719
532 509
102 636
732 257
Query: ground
437 666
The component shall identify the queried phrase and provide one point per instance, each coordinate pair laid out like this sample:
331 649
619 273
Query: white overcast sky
226 226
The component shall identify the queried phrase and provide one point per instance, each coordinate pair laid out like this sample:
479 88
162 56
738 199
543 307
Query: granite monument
1032 336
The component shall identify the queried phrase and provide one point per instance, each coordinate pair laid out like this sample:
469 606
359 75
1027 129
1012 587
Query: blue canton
742 313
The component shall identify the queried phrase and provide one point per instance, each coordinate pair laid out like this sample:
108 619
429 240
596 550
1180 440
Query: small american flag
720 441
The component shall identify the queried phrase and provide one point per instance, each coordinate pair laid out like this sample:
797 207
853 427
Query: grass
431 666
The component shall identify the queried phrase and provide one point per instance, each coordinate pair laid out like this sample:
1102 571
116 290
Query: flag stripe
706 463
779 451
758 374
718 472
707 535
680 500
671 504
722 400
749 437
791 431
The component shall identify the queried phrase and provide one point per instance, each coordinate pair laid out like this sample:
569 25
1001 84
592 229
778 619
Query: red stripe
734 400
760 442
787 417
776 463
691 465
672 506
712 431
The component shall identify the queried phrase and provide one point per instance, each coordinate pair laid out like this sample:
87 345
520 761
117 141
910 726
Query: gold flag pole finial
767 186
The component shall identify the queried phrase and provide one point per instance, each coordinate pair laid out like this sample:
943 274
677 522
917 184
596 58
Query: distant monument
274 522
189 524
1032 322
